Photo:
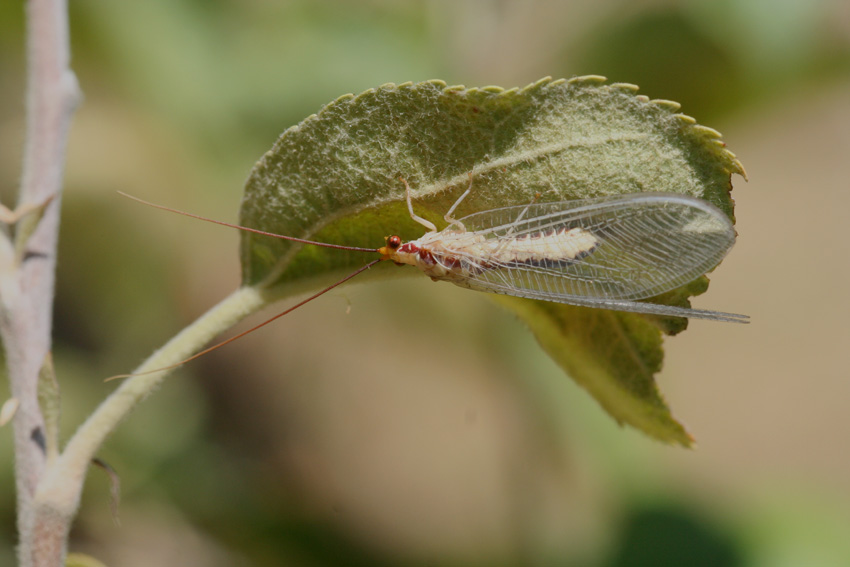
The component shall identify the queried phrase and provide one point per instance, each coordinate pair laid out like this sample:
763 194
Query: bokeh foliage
181 98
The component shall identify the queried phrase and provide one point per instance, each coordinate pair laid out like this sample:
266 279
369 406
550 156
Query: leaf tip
684 438
712 139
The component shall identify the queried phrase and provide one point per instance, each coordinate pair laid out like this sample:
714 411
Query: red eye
394 242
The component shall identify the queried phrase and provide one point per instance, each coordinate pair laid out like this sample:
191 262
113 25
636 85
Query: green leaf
613 355
49 400
335 178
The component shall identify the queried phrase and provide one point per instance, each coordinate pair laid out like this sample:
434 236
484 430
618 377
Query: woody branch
27 279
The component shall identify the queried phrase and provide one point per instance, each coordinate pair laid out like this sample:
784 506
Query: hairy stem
26 293
57 498
82 447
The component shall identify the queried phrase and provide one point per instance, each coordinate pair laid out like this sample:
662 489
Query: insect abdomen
551 249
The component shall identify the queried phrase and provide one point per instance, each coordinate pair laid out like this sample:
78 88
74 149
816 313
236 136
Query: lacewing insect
607 253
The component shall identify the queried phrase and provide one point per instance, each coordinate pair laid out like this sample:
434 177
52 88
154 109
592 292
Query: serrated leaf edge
706 136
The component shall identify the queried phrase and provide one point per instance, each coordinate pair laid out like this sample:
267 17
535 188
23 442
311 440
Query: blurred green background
407 423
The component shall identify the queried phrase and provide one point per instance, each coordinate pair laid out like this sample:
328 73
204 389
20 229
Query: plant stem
59 491
91 434
27 286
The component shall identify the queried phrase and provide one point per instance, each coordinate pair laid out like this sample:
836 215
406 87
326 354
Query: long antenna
252 329
279 315
246 229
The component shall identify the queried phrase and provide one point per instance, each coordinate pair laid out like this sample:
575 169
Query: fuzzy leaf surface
335 178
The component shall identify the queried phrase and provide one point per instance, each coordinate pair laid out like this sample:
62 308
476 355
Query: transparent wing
646 244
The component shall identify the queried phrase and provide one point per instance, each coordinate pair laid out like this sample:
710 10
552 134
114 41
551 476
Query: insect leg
515 223
522 214
426 223
448 216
